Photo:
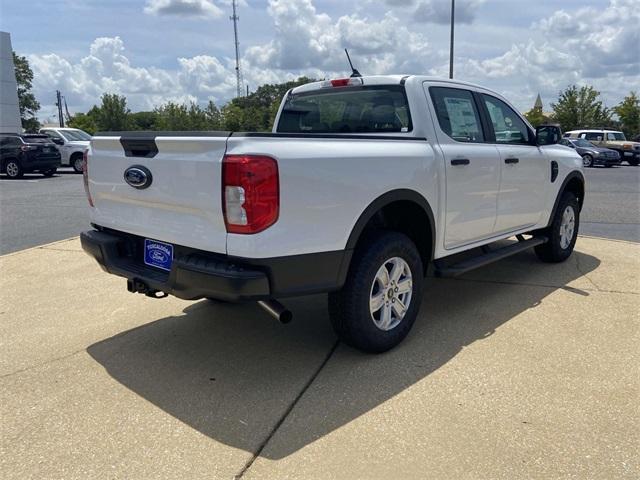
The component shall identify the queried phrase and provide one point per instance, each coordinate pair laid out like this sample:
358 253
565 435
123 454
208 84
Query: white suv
72 142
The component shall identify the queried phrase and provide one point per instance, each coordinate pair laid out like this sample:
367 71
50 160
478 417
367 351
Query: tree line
255 112
576 107
579 107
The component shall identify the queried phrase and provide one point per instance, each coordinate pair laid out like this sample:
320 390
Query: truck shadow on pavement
232 373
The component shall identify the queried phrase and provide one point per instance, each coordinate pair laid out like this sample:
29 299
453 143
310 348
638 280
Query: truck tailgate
181 205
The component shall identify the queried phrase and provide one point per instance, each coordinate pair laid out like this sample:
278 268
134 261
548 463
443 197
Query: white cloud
439 11
183 8
587 45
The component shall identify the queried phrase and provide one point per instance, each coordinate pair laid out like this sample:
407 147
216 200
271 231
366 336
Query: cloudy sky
182 50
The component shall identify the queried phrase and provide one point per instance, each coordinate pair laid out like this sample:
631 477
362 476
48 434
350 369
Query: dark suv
20 154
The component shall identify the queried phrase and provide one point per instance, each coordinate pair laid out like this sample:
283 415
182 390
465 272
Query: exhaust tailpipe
276 310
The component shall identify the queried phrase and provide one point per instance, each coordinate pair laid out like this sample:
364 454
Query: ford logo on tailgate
138 176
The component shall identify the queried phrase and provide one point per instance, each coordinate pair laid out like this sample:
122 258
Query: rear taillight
26 148
85 175
250 193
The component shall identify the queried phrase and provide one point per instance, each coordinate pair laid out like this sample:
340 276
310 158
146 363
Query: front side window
374 109
566 143
457 114
616 136
507 124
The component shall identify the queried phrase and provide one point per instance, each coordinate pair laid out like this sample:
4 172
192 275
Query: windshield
373 109
583 143
75 135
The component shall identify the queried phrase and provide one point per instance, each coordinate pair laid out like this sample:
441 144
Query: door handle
511 160
460 161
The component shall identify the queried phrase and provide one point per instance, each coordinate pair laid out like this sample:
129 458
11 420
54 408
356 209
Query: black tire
633 163
349 310
553 251
50 173
76 163
587 160
13 169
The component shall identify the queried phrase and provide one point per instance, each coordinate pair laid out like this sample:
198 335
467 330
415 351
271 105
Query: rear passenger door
525 169
471 167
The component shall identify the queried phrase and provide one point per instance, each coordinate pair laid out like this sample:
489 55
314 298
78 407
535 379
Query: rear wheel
76 163
13 169
379 302
563 232
587 160
633 162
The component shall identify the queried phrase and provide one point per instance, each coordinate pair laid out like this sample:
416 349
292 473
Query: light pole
453 16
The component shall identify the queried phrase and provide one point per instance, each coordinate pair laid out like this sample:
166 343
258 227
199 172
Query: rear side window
37 139
457 114
597 136
507 124
374 109
10 141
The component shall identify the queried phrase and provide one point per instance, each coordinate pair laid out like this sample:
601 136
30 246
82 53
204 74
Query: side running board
489 256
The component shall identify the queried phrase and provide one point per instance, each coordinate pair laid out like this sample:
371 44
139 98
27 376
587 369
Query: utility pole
453 18
235 19
59 105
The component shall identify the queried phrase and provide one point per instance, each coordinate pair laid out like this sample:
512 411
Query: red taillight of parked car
85 175
250 193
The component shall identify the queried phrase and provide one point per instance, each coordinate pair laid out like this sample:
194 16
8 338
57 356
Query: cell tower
235 19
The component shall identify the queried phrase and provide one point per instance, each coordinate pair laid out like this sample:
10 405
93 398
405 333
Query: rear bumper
31 164
196 274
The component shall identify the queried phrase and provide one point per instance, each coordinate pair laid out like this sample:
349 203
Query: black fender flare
373 208
574 174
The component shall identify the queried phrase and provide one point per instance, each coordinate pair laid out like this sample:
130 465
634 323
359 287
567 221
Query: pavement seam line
38 247
555 287
289 409
26 369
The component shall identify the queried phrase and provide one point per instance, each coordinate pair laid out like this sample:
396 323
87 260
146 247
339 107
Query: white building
9 110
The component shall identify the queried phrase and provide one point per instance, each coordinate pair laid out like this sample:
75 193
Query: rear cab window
360 109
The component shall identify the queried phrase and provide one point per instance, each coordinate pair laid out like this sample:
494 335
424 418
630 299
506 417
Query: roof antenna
354 72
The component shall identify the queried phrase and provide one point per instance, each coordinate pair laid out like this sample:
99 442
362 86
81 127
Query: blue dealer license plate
158 254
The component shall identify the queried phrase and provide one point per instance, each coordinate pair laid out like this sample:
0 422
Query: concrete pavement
518 370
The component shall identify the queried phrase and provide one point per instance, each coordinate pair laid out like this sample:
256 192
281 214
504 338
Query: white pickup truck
362 185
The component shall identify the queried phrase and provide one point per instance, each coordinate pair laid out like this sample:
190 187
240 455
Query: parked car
363 183
592 155
71 142
26 153
613 139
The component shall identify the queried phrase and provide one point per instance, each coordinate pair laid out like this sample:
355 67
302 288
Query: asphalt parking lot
517 370
38 210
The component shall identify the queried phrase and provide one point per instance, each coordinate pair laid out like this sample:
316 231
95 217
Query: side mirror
57 141
548 135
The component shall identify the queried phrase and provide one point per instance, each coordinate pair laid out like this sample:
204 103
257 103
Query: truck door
472 168
524 168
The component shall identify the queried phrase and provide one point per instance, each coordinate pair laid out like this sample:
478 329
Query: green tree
113 114
580 107
29 106
536 117
83 121
629 113
144 120
257 111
